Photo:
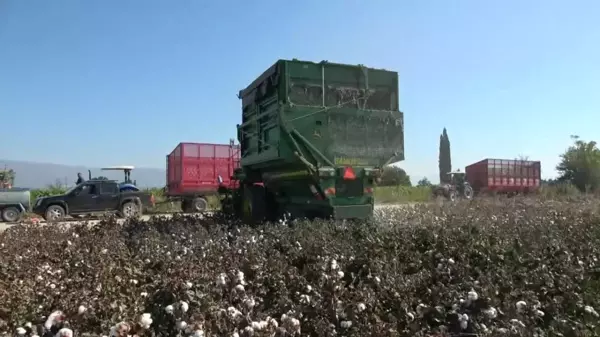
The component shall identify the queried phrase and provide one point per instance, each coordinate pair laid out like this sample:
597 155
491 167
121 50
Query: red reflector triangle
349 174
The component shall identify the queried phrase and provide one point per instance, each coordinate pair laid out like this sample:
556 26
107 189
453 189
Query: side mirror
219 180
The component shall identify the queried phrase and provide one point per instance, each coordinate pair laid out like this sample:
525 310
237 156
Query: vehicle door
108 200
83 199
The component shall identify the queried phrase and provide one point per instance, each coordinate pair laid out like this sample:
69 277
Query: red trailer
504 176
193 171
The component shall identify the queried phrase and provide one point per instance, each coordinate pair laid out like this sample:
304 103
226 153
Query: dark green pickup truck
94 197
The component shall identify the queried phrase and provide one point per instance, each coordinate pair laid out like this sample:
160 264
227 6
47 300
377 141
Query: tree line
579 166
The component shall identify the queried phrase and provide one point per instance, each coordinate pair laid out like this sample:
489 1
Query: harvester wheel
253 204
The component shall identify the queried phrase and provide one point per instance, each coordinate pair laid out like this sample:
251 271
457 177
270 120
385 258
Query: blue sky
507 78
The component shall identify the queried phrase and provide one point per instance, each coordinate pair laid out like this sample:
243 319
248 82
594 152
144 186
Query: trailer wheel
199 205
253 204
11 214
185 205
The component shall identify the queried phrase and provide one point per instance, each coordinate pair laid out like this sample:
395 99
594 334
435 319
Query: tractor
458 187
127 184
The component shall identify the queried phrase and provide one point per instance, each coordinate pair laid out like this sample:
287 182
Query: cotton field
515 267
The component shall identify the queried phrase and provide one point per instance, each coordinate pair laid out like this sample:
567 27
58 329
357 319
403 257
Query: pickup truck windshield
71 189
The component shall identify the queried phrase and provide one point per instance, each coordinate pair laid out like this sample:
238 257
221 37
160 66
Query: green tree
445 161
424 182
7 177
393 176
580 165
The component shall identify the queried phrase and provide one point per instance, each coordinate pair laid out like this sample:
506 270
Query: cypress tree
445 162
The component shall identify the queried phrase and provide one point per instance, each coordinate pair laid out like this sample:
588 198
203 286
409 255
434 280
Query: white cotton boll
145 320
144 294
198 333
189 285
28 325
222 279
361 307
334 265
491 312
345 324
308 288
304 299
273 323
249 331
256 326
502 330
539 313
249 303
515 321
239 277
169 309
181 325
39 278
521 306
340 274
420 308
184 306
590 310
52 286
54 318
239 288
104 251
21 331
472 295
81 309
377 279
64 332
235 334
451 261
464 321
134 282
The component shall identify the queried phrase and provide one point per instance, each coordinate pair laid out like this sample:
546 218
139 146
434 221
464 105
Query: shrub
520 267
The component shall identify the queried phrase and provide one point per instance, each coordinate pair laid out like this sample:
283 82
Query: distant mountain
39 175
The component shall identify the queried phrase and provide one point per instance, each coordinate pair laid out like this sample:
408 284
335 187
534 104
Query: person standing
79 179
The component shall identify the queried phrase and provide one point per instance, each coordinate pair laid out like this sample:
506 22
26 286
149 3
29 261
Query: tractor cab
127 184
457 177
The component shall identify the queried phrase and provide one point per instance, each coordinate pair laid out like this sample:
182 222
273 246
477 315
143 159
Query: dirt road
4 226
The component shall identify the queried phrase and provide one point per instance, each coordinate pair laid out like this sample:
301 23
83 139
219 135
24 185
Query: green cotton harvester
313 140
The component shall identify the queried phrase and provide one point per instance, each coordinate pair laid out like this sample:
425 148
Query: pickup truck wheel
130 210
11 214
199 205
54 213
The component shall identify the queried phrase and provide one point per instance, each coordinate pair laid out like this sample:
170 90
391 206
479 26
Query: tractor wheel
253 204
468 192
11 214
452 195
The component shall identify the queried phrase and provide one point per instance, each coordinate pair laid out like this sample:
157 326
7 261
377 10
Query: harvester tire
253 204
